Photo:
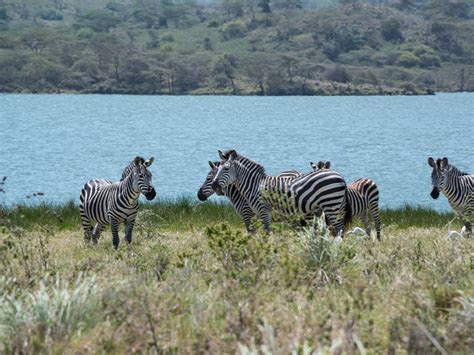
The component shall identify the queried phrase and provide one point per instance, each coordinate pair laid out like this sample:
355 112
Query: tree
391 30
100 20
257 72
265 6
226 66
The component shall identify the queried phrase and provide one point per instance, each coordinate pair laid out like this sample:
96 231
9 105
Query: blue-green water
55 143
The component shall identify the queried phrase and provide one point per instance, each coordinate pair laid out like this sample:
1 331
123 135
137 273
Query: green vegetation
193 281
240 47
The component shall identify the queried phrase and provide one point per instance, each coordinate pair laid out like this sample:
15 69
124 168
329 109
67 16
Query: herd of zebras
255 194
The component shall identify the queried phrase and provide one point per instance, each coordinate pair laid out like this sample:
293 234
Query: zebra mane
456 171
248 163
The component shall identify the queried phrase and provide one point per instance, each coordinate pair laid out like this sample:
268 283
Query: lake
55 143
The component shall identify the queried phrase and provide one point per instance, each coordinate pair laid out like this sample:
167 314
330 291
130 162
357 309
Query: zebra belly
95 200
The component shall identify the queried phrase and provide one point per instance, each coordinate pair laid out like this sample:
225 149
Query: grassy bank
187 214
190 284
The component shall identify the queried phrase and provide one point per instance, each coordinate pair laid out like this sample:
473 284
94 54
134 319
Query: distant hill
241 47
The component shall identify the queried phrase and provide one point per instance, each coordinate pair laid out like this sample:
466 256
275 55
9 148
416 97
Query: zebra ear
222 155
314 166
327 165
232 154
444 162
212 165
149 161
320 164
431 162
137 161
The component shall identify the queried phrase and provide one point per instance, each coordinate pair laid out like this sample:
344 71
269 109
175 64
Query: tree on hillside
265 6
225 66
257 72
99 20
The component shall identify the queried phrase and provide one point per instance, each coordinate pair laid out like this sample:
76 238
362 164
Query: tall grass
54 312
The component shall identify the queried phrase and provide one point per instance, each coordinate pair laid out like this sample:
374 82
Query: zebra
105 202
302 195
363 197
232 193
457 186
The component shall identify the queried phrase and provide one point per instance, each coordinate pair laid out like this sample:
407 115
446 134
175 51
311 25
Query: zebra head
439 166
129 168
226 173
321 165
206 189
142 177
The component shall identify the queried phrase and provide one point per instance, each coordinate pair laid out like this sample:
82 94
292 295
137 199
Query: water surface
55 143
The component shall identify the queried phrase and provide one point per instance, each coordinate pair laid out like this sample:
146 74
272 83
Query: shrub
50 15
54 311
429 60
408 60
234 29
338 74
167 38
391 30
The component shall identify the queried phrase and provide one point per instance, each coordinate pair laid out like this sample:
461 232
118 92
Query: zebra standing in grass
303 195
363 197
457 186
105 202
232 193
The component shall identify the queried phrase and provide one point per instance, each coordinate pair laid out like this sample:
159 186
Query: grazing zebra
302 195
232 193
457 186
128 169
363 197
105 202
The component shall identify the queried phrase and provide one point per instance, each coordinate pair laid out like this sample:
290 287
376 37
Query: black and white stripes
232 193
363 197
457 186
105 202
305 195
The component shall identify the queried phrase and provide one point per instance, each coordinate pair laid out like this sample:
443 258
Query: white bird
358 232
454 234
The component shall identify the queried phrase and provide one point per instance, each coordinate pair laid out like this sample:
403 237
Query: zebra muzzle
435 193
150 195
201 196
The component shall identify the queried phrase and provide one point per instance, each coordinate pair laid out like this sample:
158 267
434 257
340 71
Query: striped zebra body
303 195
104 202
457 186
362 196
239 202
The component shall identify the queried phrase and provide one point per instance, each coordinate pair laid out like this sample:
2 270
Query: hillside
252 47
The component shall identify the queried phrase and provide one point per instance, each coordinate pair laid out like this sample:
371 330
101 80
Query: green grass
190 284
186 213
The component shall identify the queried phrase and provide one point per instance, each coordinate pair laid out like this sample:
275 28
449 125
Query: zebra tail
348 212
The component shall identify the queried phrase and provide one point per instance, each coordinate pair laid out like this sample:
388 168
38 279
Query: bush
234 29
391 30
408 60
429 60
50 15
338 74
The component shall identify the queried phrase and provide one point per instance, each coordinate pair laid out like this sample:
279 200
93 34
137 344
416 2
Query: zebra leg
374 211
366 221
128 231
468 226
114 226
86 226
96 233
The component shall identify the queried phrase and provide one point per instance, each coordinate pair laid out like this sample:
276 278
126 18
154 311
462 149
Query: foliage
194 281
94 48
